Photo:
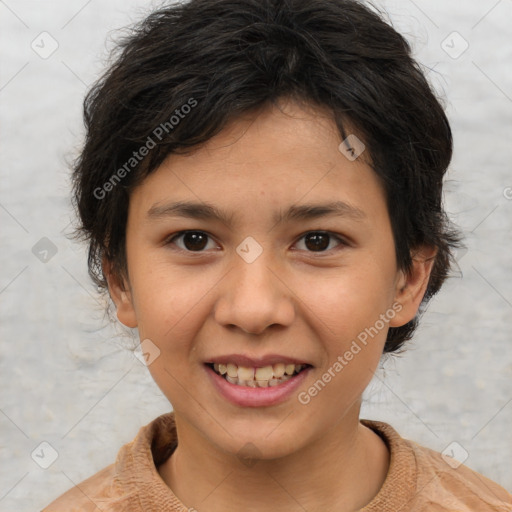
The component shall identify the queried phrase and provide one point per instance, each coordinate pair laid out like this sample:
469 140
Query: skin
293 300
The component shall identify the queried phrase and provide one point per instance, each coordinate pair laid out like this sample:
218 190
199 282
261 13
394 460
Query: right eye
192 241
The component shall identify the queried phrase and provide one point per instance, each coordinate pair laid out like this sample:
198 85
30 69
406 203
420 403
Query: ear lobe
121 295
411 286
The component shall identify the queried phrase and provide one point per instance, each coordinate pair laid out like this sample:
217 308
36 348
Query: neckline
156 442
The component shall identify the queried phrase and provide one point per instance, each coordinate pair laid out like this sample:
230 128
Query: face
266 248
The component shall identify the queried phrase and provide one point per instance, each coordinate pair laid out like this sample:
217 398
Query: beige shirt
418 479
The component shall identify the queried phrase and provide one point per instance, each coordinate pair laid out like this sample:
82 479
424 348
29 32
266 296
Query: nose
254 296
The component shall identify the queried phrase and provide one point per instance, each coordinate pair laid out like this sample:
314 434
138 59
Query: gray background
67 376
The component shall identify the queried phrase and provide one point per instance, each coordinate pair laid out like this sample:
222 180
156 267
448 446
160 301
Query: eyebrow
206 211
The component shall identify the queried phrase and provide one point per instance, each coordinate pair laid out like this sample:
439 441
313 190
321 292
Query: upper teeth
265 373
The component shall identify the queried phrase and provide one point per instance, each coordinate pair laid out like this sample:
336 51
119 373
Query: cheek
348 300
170 304
171 309
345 315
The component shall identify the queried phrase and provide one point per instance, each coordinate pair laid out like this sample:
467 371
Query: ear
121 295
411 286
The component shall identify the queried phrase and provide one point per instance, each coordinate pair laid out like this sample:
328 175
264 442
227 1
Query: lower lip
245 396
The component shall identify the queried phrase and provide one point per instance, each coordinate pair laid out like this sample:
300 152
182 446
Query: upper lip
256 361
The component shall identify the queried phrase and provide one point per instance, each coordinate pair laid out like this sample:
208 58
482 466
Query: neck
343 470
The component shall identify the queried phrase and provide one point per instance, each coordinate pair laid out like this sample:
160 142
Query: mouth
258 377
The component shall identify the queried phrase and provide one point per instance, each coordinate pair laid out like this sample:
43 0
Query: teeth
264 373
289 369
278 370
232 370
246 373
257 377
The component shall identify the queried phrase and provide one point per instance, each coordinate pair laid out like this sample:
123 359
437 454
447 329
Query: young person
261 189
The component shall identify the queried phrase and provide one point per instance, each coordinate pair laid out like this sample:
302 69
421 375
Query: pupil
195 240
319 241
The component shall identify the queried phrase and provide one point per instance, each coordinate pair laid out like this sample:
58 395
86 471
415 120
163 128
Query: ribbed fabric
418 479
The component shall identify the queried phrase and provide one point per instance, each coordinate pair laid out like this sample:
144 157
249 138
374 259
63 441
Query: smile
257 377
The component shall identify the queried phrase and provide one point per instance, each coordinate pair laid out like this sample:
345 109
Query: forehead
281 157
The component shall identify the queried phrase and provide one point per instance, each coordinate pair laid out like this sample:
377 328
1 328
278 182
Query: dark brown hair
188 69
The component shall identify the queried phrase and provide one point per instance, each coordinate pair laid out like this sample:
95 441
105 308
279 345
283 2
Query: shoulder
90 495
422 479
450 483
132 480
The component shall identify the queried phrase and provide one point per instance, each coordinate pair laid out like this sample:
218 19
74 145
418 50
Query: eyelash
342 242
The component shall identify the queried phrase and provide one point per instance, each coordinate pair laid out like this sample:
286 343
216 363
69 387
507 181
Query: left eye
319 241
